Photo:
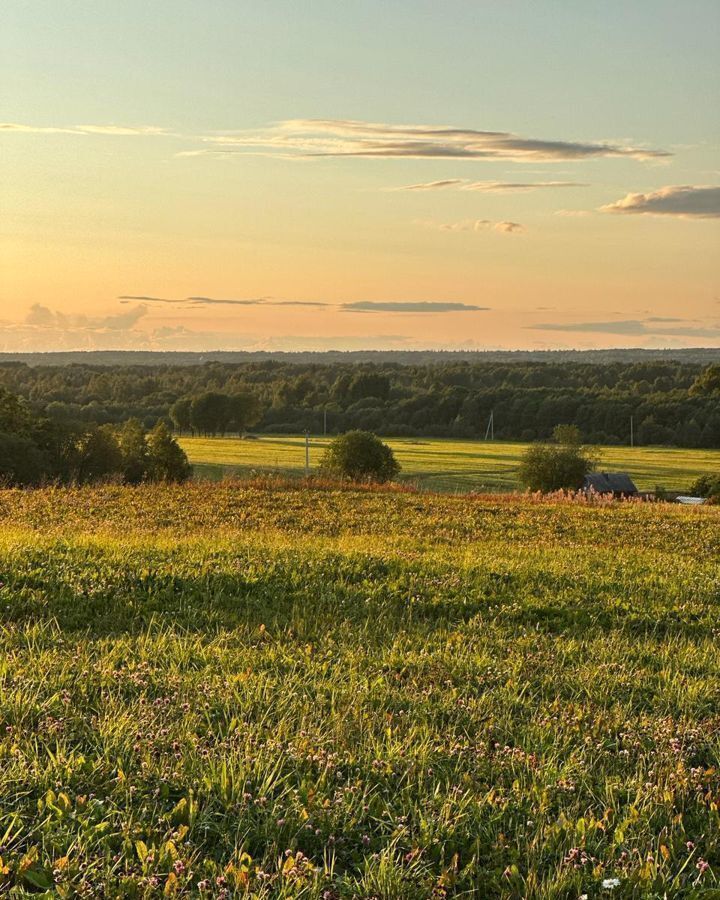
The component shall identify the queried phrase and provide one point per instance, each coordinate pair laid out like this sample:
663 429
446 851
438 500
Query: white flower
610 884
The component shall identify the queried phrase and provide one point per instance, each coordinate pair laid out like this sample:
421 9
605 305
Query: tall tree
167 460
180 413
133 450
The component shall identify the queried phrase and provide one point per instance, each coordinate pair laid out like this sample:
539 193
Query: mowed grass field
444 465
236 689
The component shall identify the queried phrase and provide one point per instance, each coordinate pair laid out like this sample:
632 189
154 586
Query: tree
180 414
210 413
14 415
21 462
568 435
97 454
360 456
708 382
369 384
244 410
553 467
167 460
134 451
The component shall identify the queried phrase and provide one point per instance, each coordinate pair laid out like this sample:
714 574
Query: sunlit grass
235 689
445 465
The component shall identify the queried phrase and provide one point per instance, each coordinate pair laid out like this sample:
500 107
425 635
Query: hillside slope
332 693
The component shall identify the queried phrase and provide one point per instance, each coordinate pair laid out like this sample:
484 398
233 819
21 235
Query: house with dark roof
619 484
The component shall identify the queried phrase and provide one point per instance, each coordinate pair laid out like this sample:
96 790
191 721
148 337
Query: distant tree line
671 402
35 449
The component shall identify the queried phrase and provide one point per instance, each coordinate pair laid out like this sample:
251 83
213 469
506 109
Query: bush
360 456
555 467
706 486
166 458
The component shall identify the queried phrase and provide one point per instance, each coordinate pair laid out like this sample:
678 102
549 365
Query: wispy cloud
410 306
112 130
297 303
682 201
311 138
488 187
214 301
633 328
307 138
431 185
508 227
217 301
127 298
476 225
573 213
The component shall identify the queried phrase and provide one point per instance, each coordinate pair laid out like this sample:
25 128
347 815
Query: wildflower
609 884
702 865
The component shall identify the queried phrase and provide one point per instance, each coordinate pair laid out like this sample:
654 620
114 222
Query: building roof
610 483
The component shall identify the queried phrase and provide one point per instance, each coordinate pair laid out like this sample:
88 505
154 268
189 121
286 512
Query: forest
669 401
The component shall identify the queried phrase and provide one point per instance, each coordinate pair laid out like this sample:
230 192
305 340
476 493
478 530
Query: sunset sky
275 174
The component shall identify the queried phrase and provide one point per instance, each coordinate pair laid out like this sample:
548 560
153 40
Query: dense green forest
671 402
36 449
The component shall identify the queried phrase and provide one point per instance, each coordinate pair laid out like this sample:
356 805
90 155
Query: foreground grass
222 689
445 465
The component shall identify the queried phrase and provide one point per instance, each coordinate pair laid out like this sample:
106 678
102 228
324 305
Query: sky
409 174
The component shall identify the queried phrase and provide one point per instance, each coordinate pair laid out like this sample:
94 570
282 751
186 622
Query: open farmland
444 465
230 689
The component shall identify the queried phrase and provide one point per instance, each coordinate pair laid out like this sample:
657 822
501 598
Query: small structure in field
619 484
690 501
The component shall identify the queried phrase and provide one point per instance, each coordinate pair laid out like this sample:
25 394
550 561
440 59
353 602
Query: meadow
444 465
268 690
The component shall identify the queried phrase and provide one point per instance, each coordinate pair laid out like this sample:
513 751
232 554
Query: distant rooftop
610 483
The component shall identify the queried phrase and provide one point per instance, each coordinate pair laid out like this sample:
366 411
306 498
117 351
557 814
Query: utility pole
490 430
632 432
307 454
324 422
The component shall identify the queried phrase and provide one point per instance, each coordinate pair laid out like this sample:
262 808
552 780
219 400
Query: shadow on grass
86 589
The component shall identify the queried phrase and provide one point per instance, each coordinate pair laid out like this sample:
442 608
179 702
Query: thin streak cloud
214 301
126 298
489 187
504 227
310 138
420 306
111 130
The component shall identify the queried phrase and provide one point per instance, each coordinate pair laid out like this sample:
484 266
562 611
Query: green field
445 465
223 690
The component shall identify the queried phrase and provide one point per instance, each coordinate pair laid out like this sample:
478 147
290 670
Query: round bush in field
553 467
360 456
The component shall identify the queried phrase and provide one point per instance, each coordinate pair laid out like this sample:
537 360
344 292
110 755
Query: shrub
360 456
167 460
706 486
555 467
